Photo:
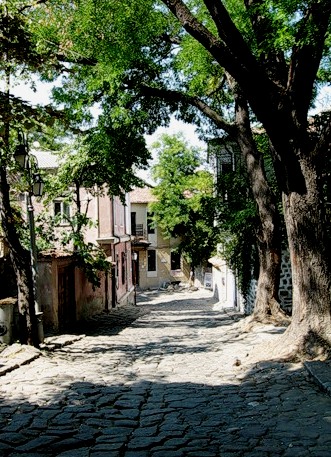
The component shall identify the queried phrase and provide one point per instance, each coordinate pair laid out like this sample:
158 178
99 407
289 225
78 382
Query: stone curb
320 372
16 355
57 342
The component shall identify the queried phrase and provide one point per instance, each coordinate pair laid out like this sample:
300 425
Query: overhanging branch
33 4
203 107
233 54
307 53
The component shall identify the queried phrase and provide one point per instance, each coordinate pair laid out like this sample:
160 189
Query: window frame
64 211
150 223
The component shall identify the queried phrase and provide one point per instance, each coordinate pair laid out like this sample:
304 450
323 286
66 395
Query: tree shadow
195 318
269 411
184 296
121 397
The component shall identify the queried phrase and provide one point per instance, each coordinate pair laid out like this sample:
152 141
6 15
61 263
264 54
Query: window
175 260
133 222
62 208
150 223
151 260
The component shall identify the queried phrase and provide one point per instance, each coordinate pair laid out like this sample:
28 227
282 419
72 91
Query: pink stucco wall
111 229
88 301
105 216
122 259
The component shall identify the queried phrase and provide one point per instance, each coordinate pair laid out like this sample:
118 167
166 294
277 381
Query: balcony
140 236
138 231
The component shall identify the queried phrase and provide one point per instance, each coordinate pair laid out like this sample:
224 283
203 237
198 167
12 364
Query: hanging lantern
37 185
21 155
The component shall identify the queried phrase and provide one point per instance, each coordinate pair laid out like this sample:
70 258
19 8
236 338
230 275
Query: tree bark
268 239
310 330
21 261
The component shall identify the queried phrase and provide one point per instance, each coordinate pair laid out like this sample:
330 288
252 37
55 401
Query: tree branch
200 32
81 60
230 35
176 96
307 54
32 5
273 60
234 55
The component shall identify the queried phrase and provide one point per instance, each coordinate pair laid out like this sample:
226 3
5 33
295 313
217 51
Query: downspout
106 293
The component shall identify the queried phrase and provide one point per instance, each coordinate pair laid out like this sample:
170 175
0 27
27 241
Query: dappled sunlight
184 381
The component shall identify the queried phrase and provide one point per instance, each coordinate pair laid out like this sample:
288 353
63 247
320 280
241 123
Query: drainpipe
106 293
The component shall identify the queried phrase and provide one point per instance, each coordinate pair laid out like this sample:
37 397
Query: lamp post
36 185
135 258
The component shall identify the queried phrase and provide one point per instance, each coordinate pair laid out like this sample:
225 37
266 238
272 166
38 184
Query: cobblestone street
172 383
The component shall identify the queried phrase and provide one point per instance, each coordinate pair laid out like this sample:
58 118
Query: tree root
307 343
296 344
305 339
266 314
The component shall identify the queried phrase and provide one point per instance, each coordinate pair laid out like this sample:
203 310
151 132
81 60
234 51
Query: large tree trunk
310 330
266 307
268 240
21 261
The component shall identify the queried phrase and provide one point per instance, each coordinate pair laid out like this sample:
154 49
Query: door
66 297
133 223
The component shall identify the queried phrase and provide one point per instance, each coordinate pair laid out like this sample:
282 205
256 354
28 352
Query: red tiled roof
143 195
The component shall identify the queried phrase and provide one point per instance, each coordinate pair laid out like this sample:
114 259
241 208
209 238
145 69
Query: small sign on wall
208 281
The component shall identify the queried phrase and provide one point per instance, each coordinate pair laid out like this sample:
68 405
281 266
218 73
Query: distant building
224 156
156 262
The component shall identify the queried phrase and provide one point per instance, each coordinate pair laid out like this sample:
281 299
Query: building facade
224 156
69 296
157 264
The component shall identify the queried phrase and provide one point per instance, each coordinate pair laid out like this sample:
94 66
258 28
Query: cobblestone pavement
172 383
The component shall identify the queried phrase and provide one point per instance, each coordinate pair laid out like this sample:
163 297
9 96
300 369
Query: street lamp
36 185
135 258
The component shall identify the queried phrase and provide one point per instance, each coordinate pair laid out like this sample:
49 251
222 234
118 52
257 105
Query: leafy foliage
236 217
88 256
185 202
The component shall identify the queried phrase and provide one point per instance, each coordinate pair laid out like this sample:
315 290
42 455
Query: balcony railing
139 232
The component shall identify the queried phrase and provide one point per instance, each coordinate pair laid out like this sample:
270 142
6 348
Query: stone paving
172 383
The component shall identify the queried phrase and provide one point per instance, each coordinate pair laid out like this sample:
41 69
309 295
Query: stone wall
285 288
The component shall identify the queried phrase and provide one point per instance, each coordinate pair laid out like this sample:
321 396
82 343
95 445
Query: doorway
66 297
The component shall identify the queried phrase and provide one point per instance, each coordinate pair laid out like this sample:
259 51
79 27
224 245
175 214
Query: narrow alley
172 383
